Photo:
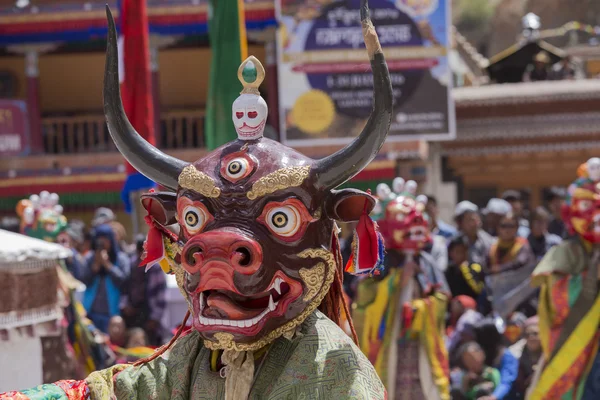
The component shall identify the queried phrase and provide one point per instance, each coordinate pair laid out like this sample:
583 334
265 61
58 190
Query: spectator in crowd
72 239
539 70
117 332
511 263
513 197
489 336
463 277
103 216
121 235
437 225
463 333
458 306
514 328
540 240
565 69
136 337
144 297
475 380
555 200
439 251
493 213
105 272
529 352
466 216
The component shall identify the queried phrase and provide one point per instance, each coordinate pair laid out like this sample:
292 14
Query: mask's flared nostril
190 255
244 257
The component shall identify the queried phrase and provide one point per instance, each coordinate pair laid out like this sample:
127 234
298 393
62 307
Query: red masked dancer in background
399 315
569 305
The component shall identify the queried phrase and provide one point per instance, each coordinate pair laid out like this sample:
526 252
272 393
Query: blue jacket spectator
104 274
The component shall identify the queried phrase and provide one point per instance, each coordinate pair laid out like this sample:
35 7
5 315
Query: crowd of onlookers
492 339
125 303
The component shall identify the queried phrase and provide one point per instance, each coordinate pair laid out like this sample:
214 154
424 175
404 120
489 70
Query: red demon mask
405 226
256 251
581 211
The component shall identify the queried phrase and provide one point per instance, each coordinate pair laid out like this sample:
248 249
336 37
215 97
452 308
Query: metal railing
179 129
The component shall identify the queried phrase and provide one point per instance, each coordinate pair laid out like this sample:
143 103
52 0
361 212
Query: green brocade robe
320 362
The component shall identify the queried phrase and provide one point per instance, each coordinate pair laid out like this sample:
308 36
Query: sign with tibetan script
14 128
325 82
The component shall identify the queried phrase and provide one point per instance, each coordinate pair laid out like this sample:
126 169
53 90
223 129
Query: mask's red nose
223 246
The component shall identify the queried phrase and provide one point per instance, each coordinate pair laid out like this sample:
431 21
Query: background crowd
487 256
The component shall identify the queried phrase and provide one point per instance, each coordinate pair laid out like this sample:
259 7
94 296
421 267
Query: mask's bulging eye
252 114
239 115
284 221
237 168
195 218
287 220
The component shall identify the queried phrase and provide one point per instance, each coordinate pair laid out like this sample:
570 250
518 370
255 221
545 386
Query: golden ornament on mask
192 179
281 179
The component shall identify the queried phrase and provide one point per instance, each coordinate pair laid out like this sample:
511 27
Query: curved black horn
341 166
144 157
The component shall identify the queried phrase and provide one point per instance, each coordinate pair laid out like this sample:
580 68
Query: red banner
14 128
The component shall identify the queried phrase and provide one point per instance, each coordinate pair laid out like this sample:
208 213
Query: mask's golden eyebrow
192 179
281 179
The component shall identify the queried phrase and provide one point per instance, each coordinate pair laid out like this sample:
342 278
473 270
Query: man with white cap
493 213
466 216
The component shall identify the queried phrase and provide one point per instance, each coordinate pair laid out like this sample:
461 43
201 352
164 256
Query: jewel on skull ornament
249 110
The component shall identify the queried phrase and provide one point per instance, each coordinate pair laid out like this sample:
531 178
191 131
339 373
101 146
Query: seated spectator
464 332
514 328
458 306
136 337
489 337
463 277
529 351
117 333
539 70
104 274
540 240
475 380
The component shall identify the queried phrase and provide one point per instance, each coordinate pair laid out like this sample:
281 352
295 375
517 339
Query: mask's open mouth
417 234
226 308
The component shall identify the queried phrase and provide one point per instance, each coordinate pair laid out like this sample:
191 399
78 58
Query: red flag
136 78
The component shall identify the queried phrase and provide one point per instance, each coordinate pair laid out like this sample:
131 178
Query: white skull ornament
593 168
249 116
249 111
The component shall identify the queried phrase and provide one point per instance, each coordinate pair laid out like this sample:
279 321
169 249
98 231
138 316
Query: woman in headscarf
107 268
511 263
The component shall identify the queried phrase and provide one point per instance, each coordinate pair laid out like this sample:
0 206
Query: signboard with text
325 83
14 128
